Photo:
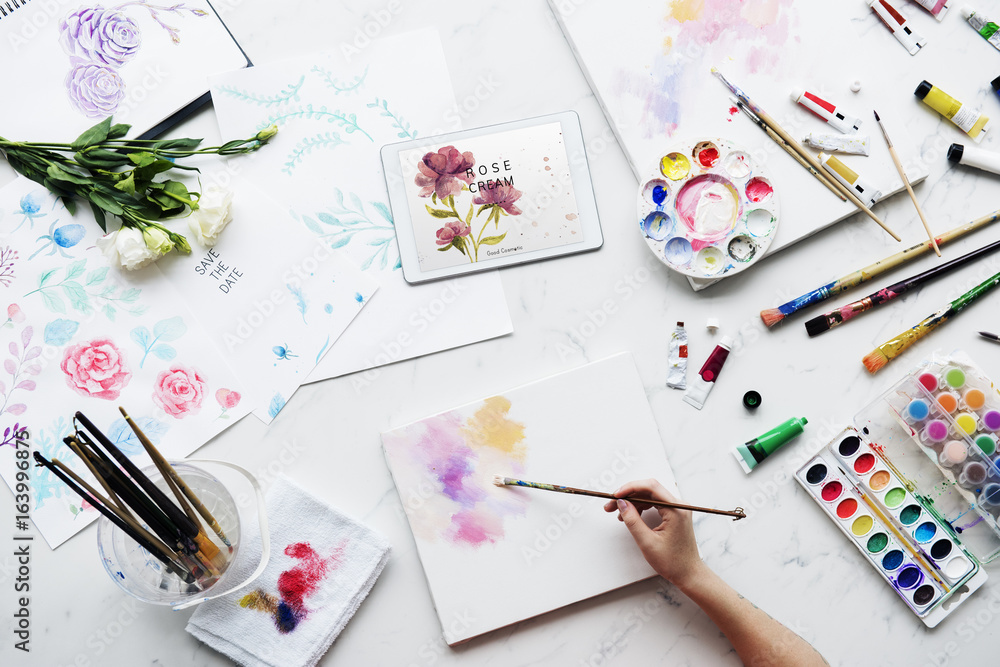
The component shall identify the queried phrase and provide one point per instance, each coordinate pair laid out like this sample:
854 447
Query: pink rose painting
179 391
96 368
445 175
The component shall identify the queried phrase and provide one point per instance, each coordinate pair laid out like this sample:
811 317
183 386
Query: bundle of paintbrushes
172 532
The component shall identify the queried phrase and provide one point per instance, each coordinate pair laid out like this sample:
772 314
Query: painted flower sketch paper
591 428
491 196
76 336
334 115
139 60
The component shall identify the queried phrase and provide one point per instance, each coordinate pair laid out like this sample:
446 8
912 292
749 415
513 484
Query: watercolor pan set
708 210
899 532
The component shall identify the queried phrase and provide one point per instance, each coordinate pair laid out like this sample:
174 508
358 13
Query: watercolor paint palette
709 210
900 534
940 424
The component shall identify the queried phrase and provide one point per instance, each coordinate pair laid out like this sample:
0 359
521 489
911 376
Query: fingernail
622 505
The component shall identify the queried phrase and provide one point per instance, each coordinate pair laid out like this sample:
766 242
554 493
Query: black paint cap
955 152
996 84
923 89
751 400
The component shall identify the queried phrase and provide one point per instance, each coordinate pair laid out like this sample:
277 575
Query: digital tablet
481 199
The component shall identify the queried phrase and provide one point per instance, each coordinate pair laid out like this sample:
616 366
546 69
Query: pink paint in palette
708 210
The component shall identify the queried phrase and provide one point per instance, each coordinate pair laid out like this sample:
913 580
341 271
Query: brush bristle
771 316
817 325
499 480
875 361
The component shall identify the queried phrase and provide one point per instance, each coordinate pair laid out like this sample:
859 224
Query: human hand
670 547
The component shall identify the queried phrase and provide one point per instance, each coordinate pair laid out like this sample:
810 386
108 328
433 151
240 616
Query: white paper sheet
79 337
495 556
334 115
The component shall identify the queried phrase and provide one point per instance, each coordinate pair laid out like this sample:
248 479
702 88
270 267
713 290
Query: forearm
758 639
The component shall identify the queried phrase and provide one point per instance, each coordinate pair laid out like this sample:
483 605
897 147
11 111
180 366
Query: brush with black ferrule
838 316
77 449
173 511
111 516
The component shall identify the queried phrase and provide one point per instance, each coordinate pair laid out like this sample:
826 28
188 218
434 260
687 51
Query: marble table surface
508 60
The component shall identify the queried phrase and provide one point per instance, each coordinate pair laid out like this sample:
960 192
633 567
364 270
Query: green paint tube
758 449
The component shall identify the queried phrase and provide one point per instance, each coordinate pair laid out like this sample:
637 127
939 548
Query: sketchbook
69 64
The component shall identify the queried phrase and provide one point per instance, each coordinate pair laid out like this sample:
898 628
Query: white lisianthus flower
126 248
157 241
214 212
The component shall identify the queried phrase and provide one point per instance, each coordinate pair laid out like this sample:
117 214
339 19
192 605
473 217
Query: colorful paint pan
709 210
948 402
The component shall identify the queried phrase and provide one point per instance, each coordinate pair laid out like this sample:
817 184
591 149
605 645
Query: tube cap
955 152
796 94
751 400
996 84
727 342
966 12
923 89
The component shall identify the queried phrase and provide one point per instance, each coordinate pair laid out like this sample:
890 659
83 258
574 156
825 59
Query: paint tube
985 27
975 157
758 449
937 8
825 111
699 390
855 144
895 22
677 373
865 191
971 121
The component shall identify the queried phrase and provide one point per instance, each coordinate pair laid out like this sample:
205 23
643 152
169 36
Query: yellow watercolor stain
259 601
668 43
491 427
675 166
685 10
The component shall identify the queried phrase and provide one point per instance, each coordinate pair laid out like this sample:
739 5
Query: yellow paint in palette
675 166
971 121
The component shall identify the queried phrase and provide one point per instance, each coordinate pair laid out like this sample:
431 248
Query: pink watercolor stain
758 190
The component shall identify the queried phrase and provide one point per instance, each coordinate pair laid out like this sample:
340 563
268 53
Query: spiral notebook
70 64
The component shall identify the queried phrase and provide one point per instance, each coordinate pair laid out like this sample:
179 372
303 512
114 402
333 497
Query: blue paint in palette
659 194
925 532
909 577
892 560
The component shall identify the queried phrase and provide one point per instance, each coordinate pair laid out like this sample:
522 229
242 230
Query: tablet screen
490 196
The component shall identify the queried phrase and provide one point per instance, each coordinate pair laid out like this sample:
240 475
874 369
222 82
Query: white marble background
508 60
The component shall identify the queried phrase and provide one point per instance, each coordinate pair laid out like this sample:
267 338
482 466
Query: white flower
126 248
157 241
212 215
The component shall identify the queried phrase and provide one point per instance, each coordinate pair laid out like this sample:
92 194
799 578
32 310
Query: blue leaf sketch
405 132
300 299
122 435
277 403
348 221
60 332
328 308
289 92
319 355
164 331
48 442
338 85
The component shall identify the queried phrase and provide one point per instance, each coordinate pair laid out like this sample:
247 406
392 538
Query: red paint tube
697 393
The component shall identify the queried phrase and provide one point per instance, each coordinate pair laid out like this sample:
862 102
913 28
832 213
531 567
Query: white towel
322 566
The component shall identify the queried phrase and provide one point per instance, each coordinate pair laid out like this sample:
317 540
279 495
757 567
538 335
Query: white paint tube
677 373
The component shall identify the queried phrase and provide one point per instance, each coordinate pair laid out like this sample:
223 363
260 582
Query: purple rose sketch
100 36
101 41
95 90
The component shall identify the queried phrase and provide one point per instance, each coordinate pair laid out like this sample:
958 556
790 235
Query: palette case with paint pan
708 210
897 529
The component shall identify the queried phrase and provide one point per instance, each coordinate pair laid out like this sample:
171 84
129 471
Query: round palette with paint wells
709 210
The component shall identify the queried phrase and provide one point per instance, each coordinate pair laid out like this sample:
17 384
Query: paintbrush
826 180
772 316
838 316
797 147
990 336
500 480
880 356
906 182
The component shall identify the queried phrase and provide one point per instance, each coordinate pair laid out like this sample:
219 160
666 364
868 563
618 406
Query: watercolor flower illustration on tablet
101 41
444 175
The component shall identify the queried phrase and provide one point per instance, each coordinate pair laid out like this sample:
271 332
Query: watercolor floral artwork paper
334 115
491 196
76 336
273 297
495 556
79 62
650 68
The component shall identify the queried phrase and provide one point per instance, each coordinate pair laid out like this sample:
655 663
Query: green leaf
94 135
45 277
53 302
439 213
169 195
143 158
140 336
434 198
468 217
130 295
177 144
492 240
106 203
99 216
97 276
75 269
127 184
118 130
312 225
76 295
98 158
170 329
109 311
383 210
57 173
164 352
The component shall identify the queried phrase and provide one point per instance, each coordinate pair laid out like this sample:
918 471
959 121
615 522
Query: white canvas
495 556
334 114
78 336
61 79
649 64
